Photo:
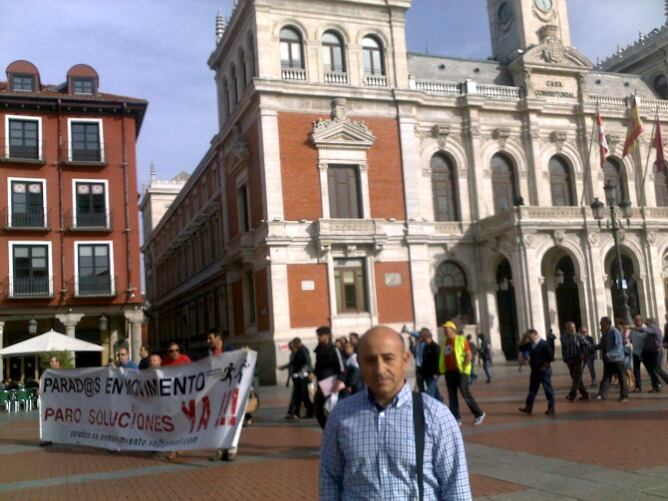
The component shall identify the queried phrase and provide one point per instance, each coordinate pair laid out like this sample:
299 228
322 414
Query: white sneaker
478 421
230 454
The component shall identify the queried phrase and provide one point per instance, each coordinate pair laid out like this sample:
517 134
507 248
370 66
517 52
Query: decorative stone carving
651 237
594 238
341 133
552 50
529 239
613 141
622 234
239 153
440 133
501 134
558 236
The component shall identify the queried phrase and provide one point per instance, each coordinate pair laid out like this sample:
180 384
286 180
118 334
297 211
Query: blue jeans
432 388
486 366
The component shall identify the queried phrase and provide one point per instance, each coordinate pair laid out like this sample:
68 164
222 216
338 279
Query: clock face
543 5
505 14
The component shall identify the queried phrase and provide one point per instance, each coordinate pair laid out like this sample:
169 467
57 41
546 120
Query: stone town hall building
353 183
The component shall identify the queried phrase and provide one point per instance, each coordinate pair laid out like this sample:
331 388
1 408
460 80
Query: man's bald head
382 331
383 360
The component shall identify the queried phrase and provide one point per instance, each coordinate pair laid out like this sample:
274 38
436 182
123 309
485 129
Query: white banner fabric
184 407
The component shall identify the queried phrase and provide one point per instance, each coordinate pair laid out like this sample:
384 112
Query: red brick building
69 256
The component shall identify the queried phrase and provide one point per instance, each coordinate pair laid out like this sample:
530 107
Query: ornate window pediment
341 133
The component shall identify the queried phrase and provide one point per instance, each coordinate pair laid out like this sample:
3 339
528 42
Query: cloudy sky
157 50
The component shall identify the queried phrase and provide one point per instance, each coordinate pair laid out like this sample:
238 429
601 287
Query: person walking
573 351
540 358
612 348
456 365
638 340
474 355
486 356
590 359
430 365
417 348
299 367
328 363
652 355
370 446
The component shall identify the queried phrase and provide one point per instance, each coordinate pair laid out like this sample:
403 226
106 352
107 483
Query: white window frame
10 180
25 118
107 213
98 121
49 253
110 245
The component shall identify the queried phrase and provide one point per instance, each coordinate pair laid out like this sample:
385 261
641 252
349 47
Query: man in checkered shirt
368 447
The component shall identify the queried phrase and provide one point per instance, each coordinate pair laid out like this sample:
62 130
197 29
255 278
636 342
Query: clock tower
518 25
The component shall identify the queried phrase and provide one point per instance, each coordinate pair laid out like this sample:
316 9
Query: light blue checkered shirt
369 454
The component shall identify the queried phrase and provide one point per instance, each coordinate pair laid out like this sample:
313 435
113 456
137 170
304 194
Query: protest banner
184 407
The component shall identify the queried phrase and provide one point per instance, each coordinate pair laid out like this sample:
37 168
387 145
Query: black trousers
636 371
319 408
610 368
652 361
575 368
537 378
299 396
456 381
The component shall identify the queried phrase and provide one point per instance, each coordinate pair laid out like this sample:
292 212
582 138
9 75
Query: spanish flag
635 129
658 144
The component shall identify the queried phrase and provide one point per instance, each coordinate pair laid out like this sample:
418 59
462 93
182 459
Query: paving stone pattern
591 450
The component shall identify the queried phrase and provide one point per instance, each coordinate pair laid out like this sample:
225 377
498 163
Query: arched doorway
452 298
629 284
567 294
505 306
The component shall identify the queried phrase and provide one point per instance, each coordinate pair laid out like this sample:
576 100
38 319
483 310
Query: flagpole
649 153
588 173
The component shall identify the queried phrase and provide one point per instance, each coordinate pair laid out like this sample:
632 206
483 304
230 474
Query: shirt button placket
382 459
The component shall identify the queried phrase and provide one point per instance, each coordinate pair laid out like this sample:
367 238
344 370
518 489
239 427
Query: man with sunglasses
174 356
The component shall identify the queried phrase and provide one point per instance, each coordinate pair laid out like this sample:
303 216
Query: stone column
70 321
2 344
135 317
489 318
424 309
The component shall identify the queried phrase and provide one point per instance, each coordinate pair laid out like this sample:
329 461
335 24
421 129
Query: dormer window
23 83
83 86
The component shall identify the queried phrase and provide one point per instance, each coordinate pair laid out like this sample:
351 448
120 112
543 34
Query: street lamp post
598 210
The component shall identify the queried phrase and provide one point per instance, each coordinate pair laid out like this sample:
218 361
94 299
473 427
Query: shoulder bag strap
418 427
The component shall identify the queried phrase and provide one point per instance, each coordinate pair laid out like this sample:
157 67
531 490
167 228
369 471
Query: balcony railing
22 152
94 286
35 218
89 221
28 287
94 153
293 74
375 80
336 77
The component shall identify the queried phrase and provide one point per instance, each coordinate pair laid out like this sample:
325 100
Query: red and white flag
603 149
658 144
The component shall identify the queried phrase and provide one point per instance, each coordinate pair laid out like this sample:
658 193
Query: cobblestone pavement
591 450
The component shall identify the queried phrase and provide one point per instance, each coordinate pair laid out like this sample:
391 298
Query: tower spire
220 27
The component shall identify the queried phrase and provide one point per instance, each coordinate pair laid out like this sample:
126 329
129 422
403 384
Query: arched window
560 183
373 56
332 52
251 55
291 49
661 187
503 183
453 301
613 174
661 86
443 189
244 69
235 85
226 100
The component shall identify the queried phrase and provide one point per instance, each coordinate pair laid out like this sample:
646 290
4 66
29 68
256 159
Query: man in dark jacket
328 362
573 351
430 363
652 354
299 367
540 357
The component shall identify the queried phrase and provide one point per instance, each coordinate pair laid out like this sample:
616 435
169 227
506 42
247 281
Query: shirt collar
402 397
